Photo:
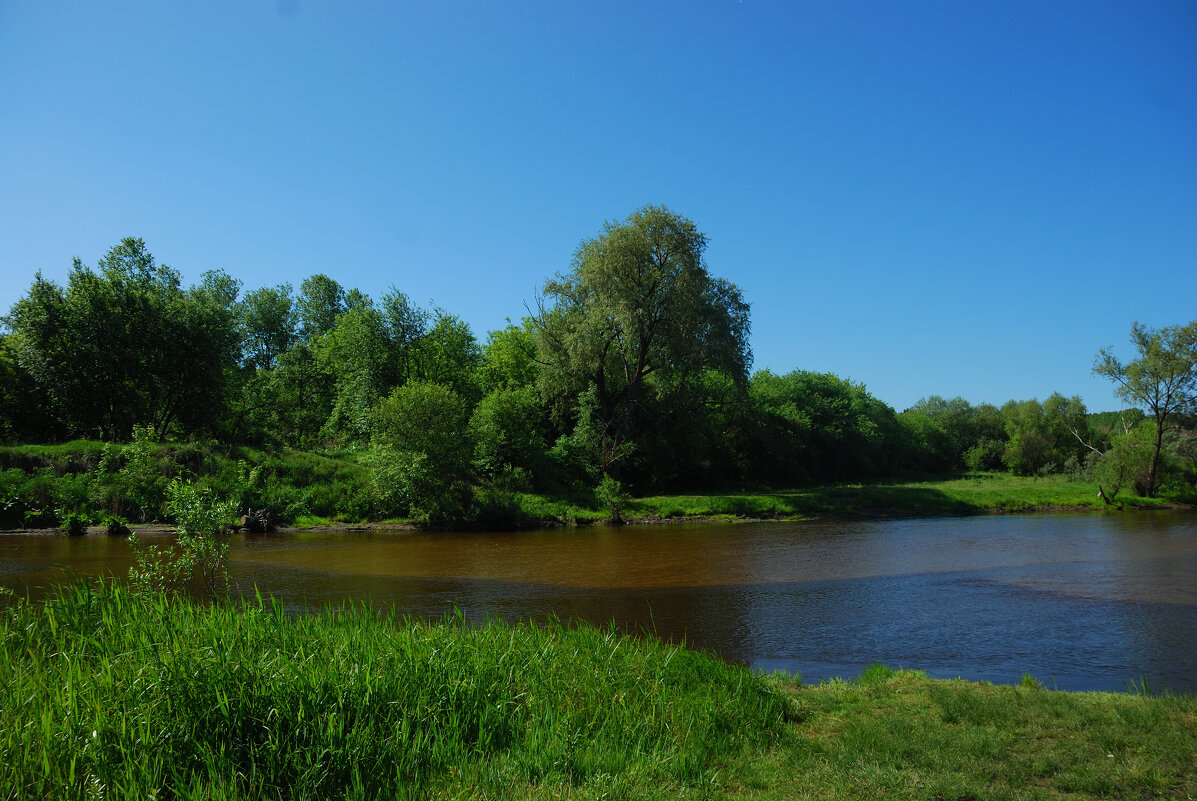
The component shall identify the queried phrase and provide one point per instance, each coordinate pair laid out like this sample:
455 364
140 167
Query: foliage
320 301
1043 437
509 358
124 344
74 524
634 366
354 355
985 455
268 321
138 485
1127 463
201 547
964 428
506 428
420 452
26 412
1163 380
820 427
611 496
638 302
98 478
115 526
448 354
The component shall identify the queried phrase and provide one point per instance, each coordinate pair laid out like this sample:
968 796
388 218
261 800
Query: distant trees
632 375
1163 380
814 427
1043 437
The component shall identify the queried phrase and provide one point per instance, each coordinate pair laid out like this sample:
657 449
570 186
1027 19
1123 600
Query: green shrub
115 526
200 551
74 524
611 496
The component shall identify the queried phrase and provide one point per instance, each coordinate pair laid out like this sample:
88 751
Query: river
1080 601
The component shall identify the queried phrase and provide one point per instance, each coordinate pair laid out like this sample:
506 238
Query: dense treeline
632 374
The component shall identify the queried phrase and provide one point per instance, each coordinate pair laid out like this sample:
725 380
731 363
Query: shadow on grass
870 501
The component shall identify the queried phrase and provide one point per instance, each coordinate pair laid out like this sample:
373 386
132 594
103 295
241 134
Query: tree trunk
1155 458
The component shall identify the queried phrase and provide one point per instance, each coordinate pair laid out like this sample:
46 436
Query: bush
115 526
201 548
611 496
74 524
419 454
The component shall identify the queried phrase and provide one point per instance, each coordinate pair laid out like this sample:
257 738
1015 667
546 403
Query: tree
638 302
25 413
268 317
1163 380
123 344
1044 437
506 427
509 358
820 427
321 300
354 354
420 451
448 353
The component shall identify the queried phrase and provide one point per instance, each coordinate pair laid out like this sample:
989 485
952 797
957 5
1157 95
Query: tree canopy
1163 380
124 343
638 304
631 375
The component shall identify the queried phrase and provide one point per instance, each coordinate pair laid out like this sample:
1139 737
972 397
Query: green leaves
124 344
419 454
638 302
1163 380
200 550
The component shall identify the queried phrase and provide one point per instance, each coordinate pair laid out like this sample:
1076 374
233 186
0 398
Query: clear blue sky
954 198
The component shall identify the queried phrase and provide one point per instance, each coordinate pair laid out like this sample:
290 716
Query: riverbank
44 487
108 693
980 493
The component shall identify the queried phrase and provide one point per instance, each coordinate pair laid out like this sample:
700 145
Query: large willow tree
637 312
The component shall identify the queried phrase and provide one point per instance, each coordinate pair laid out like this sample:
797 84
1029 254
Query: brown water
1079 601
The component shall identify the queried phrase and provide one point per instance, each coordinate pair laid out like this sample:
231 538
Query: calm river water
1082 602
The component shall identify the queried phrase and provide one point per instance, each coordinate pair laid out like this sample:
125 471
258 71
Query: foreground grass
974 494
105 694
900 735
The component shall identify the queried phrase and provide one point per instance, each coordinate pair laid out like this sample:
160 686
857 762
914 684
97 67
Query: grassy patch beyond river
974 494
107 694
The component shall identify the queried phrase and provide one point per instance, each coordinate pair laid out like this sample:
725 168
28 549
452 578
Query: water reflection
1086 601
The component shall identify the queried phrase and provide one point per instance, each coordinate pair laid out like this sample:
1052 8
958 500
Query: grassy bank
900 735
105 694
42 485
982 493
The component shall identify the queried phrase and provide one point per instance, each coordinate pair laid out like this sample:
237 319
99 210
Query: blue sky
956 198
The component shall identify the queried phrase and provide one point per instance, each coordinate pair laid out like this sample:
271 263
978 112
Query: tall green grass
105 693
